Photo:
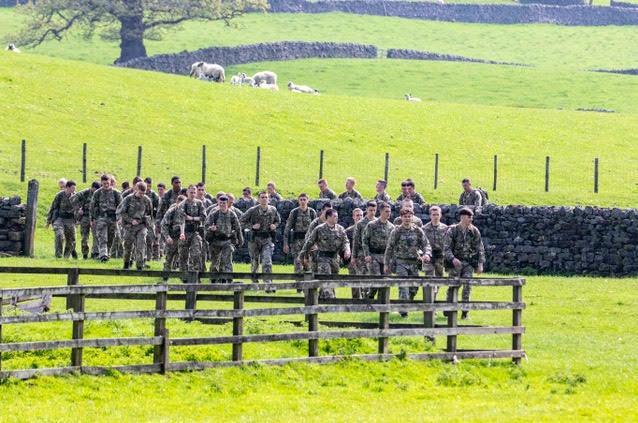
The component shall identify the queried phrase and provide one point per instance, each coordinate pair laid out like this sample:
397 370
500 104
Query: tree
128 21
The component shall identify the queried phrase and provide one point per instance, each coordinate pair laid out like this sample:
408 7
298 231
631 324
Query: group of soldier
189 227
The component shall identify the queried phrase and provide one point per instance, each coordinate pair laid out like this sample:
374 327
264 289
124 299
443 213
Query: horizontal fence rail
306 306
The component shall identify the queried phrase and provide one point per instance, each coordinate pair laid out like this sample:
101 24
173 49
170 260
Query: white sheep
235 80
247 80
409 97
12 47
208 71
265 76
266 86
304 89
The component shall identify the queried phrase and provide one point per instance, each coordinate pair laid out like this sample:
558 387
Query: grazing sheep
247 80
265 76
266 86
208 71
409 97
304 89
12 47
235 80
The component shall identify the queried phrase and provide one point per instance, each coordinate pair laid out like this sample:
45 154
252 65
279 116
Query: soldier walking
464 251
470 196
325 191
104 205
151 236
374 240
330 239
350 192
381 196
358 257
62 216
170 233
296 229
192 217
82 203
170 196
135 214
223 233
406 247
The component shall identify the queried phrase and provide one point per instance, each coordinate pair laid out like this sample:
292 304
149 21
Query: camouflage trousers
158 246
85 231
407 268
105 234
151 241
375 267
171 251
135 237
358 268
221 257
327 266
64 230
435 268
295 249
117 246
260 250
190 253
466 271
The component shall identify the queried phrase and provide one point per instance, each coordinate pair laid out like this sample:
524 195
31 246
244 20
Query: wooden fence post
160 323
139 161
72 278
78 325
495 172
547 174
428 316
313 322
238 325
23 160
386 169
258 166
436 170
191 292
203 163
321 164
596 175
31 217
384 319
84 151
164 362
452 320
517 320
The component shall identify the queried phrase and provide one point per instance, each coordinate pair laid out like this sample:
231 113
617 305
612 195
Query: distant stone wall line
427 55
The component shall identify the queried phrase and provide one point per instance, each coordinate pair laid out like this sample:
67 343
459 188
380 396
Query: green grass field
580 340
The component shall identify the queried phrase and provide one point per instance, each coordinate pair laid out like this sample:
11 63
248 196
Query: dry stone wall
12 226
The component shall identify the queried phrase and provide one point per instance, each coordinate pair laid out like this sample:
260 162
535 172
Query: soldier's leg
140 248
253 252
195 252
215 252
324 267
111 242
467 272
85 230
172 250
102 235
95 251
226 259
69 238
129 241
266 259
295 248
58 233
374 268
205 249
182 248
150 241
402 270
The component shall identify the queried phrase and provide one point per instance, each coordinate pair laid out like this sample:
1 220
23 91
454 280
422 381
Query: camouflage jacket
318 221
415 220
82 202
406 244
135 208
472 198
436 236
194 209
357 247
375 237
354 194
170 197
61 207
274 198
298 223
264 217
228 227
416 198
155 200
170 223
382 197
105 203
330 240
464 244
328 193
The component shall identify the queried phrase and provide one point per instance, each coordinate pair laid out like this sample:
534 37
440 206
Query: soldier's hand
457 263
368 259
182 237
286 249
426 258
256 226
169 241
273 226
189 217
135 222
347 256
479 268
213 228
305 261
386 270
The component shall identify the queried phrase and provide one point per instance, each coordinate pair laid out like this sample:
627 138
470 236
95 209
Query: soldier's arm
447 245
426 247
345 245
461 199
478 200
118 198
53 210
288 227
277 219
245 218
239 233
310 241
365 241
356 239
480 247
93 206
164 226
388 257
120 212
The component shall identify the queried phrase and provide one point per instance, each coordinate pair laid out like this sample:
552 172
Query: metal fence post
258 166
23 160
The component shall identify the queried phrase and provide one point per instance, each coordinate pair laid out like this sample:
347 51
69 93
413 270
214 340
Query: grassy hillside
546 45
58 105
580 340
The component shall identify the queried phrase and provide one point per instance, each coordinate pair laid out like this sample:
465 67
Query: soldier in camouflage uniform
191 217
435 232
381 196
358 256
470 196
350 192
464 250
223 233
104 205
170 232
324 191
330 239
208 205
135 215
82 203
151 236
296 230
357 215
62 216
246 201
408 193
408 204
374 241
231 205
273 195
158 247
170 197
262 220
312 256
406 247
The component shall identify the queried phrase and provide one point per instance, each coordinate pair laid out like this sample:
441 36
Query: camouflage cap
466 211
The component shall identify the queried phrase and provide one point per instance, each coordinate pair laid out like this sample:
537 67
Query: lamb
304 89
409 97
265 76
266 86
12 47
208 71
247 80
236 79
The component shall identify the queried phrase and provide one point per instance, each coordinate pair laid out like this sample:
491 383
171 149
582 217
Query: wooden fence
307 306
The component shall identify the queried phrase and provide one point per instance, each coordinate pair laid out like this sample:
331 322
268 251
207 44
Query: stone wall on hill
12 226
394 53
530 240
